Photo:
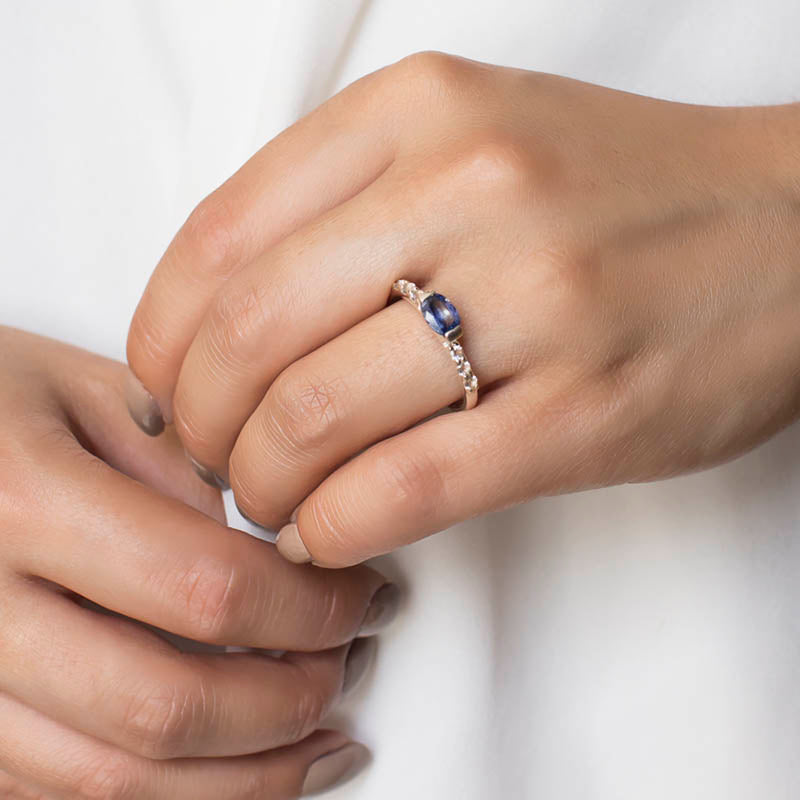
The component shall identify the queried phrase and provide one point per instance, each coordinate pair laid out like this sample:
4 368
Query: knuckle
158 720
237 319
211 595
107 777
492 164
434 71
210 233
304 410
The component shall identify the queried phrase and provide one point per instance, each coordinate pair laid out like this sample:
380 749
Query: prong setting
443 318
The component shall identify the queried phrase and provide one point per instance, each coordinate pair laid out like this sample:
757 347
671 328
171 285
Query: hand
94 705
627 271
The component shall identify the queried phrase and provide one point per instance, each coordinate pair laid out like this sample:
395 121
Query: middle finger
149 557
147 697
295 297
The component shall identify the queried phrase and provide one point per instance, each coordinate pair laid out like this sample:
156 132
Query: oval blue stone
440 313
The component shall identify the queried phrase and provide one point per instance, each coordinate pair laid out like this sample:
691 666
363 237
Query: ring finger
147 697
313 286
375 380
67 764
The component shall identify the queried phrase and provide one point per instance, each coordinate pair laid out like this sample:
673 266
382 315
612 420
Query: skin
627 272
93 515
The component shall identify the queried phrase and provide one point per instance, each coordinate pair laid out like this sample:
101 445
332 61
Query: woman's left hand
627 271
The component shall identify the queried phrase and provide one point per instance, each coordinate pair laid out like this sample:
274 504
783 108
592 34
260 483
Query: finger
316 284
147 697
89 390
448 469
69 765
321 161
93 392
375 380
134 551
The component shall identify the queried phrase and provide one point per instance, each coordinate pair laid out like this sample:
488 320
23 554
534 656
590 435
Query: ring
443 319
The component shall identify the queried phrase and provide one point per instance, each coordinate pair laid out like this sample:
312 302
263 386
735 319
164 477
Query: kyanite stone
440 313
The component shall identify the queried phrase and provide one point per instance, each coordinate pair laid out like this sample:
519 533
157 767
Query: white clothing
635 643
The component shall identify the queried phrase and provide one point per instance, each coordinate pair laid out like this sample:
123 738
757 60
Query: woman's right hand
95 705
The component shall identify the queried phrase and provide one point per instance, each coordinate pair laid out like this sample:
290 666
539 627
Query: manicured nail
291 546
382 609
143 408
211 478
334 769
359 659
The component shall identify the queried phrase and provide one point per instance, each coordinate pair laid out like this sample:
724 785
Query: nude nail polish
335 768
142 406
207 475
382 609
359 660
291 546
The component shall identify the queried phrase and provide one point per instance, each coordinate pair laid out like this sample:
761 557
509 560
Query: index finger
150 557
319 162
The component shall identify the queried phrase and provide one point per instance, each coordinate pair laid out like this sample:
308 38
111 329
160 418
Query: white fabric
637 642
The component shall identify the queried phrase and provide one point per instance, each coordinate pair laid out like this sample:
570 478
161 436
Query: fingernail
334 769
382 609
291 546
359 659
143 408
211 478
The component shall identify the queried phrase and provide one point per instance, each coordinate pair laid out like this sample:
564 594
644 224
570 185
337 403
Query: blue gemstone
440 313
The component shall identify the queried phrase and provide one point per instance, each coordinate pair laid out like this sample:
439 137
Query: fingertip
291 546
